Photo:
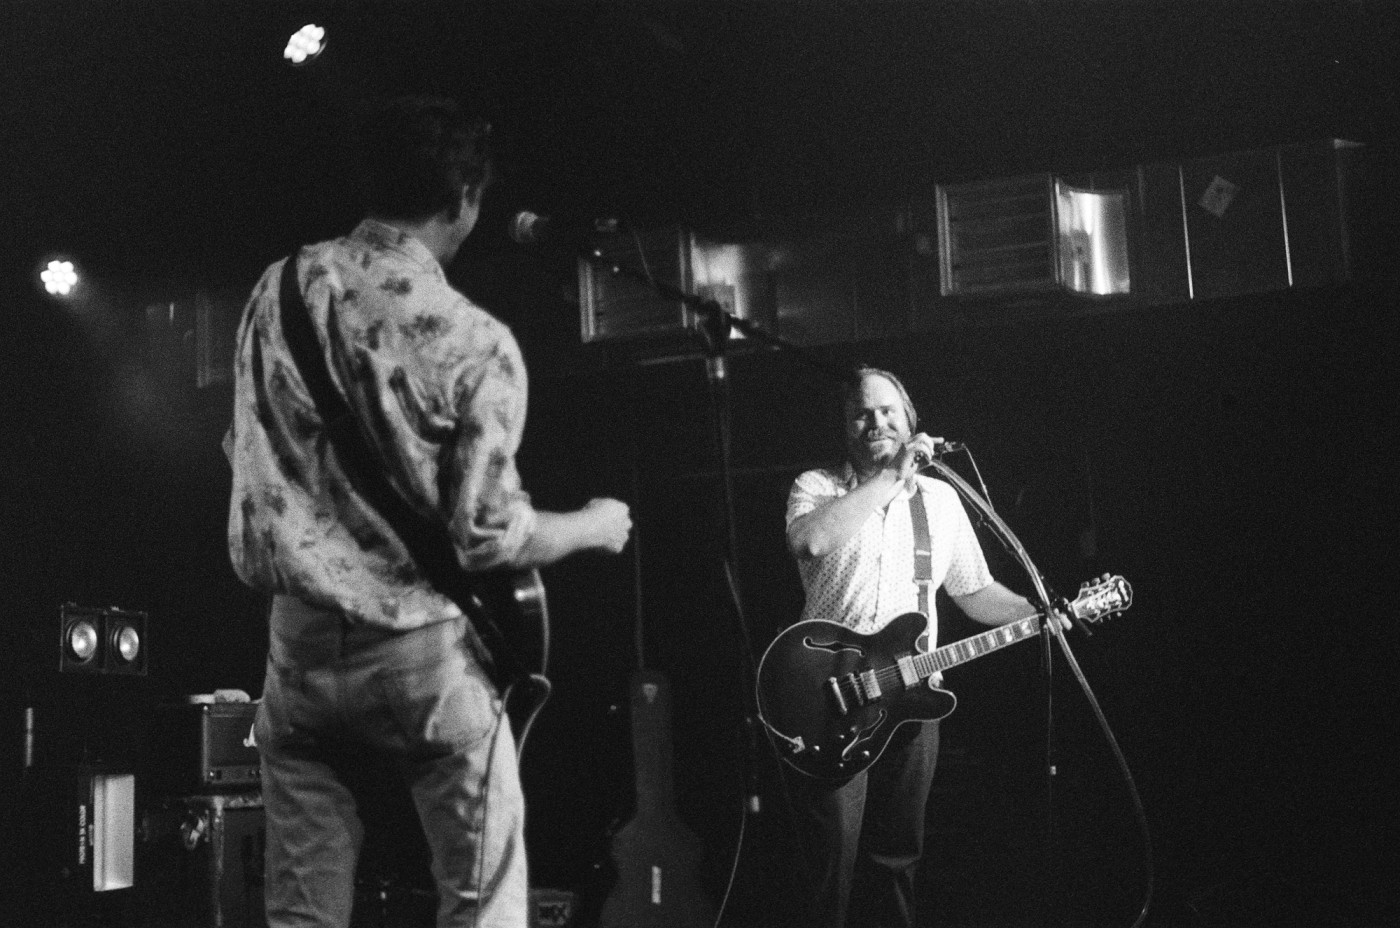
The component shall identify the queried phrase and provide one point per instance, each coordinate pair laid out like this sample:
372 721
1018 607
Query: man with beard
852 531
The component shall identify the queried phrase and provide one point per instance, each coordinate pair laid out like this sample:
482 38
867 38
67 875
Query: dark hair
419 152
862 371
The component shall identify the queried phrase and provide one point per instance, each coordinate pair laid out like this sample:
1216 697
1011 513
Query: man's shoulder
821 479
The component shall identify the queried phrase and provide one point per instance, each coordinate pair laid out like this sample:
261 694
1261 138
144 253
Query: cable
733 864
1014 547
501 723
1138 811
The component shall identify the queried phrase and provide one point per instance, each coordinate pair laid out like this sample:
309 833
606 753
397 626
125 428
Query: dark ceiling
155 136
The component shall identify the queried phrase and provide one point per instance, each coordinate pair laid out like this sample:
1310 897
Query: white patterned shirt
440 386
869 580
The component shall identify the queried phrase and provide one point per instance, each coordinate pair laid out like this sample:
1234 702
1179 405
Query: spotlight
80 637
102 641
125 634
305 45
59 277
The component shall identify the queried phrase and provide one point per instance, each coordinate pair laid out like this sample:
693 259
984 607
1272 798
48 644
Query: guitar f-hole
863 735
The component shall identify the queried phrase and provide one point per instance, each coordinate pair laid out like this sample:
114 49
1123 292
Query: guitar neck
966 649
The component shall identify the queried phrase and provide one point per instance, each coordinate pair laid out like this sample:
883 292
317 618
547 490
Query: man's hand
599 525
915 455
611 523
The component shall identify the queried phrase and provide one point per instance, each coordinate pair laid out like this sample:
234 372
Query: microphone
940 448
527 228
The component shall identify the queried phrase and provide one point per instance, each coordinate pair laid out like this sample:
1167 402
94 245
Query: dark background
1230 457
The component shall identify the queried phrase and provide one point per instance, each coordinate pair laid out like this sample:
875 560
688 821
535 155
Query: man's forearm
556 536
602 525
994 604
828 527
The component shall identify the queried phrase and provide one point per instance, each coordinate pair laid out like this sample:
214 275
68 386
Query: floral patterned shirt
869 580
440 386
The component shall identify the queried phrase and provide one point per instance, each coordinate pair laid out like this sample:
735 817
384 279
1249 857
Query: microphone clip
940 448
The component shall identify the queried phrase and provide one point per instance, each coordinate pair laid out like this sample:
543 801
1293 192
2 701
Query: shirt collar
846 474
381 235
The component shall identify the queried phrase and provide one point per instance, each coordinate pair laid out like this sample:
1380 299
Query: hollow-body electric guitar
831 698
511 613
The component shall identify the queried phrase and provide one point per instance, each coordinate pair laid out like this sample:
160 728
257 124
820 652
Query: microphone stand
1049 628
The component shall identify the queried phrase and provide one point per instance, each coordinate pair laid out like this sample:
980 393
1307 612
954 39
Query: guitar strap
923 549
427 540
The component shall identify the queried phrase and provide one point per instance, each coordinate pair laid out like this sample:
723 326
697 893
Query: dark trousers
868 832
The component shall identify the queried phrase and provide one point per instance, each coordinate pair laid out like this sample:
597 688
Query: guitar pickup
869 687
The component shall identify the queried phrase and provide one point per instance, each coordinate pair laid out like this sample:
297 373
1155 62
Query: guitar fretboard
951 655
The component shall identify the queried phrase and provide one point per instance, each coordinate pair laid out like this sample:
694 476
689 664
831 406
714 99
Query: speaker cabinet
204 859
206 747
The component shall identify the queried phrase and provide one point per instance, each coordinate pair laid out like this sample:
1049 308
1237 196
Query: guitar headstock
1102 598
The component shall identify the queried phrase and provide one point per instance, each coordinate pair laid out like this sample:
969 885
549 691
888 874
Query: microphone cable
1013 547
1139 813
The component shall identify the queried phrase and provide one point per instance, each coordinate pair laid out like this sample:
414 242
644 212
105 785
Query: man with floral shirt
852 532
368 663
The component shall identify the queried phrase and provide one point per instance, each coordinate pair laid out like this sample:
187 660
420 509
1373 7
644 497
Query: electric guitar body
510 608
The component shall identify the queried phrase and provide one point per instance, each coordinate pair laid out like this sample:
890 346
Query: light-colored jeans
336 696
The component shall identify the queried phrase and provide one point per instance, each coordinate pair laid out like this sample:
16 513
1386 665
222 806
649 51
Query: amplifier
202 861
207 747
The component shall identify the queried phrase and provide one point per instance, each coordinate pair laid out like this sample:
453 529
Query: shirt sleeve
809 491
967 568
492 517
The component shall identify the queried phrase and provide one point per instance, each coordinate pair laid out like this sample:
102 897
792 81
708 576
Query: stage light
102 641
80 638
126 646
59 278
305 45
